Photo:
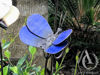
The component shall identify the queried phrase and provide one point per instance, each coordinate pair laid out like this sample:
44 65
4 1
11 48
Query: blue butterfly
38 33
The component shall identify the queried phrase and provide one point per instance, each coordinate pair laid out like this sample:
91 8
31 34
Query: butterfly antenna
60 20
58 31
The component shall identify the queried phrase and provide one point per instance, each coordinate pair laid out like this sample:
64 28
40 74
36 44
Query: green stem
62 60
10 62
13 40
61 64
31 60
17 34
77 58
76 68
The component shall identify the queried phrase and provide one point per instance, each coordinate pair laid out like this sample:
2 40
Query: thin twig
60 19
55 19
96 3
1 59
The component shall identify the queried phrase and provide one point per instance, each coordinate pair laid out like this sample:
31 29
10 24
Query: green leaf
3 41
37 69
87 4
26 73
57 65
54 74
96 23
67 50
30 67
32 73
5 45
43 71
14 69
90 15
5 70
7 53
22 60
32 50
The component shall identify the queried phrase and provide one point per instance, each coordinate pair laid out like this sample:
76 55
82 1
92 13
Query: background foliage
83 16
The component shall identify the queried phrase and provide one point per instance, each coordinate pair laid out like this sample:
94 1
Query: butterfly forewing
62 37
30 39
39 25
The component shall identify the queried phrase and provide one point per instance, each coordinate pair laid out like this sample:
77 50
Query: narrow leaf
5 70
3 41
5 45
7 53
14 69
57 65
22 60
42 71
67 50
32 50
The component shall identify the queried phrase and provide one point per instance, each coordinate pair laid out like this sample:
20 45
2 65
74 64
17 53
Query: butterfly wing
39 25
30 39
62 37
53 49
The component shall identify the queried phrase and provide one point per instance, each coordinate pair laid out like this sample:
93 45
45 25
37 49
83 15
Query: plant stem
76 68
31 60
96 3
61 64
10 62
1 59
13 40
77 59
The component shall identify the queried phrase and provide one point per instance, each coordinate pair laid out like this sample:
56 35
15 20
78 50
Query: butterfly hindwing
53 49
62 37
39 25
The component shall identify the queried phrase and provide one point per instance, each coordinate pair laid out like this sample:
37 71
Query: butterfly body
51 38
38 33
